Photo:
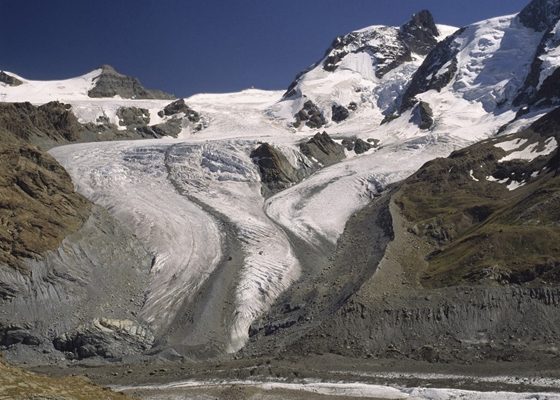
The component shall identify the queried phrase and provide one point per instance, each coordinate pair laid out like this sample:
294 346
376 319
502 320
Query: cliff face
39 205
61 257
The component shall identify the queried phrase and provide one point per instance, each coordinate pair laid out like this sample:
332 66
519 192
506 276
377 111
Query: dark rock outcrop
110 83
39 206
361 146
322 149
535 93
540 15
416 36
9 79
133 116
47 124
423 116
180 106
388 57
171 127
14 334
310 115
420 33
276 171
339 113
431 74
358 145
105 338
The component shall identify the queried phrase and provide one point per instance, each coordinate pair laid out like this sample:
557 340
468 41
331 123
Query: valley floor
326 376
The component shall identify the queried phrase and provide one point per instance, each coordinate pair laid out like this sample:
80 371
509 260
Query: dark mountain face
539 90
416 36
111 83
491 214
540 15
39 205
52 122
420 33
430 74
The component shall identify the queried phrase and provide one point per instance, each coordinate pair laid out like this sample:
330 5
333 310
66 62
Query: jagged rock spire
420 32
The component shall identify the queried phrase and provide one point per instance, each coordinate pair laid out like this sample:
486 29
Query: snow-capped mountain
109 104
235 220
468 82
363 72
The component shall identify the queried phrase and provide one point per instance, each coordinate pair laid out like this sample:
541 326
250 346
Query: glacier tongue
130 180
163 191
223 177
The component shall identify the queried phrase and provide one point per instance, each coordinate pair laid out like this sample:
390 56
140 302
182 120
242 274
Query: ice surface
129 179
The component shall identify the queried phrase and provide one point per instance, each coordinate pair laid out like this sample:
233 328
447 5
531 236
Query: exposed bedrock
422 115
9 79
46 125
339 113
39 205
179 106
322 149
277 173
133 116
420 33
310 115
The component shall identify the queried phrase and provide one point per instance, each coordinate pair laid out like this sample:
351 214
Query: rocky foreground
17 384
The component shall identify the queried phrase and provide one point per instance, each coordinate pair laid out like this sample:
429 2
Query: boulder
339 113
310 115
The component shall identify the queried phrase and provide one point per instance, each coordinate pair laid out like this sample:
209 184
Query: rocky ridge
111 83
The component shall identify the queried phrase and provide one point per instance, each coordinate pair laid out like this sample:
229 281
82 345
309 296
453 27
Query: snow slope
357 78
74 91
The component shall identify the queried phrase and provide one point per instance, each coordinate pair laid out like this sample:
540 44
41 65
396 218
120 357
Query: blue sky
188 46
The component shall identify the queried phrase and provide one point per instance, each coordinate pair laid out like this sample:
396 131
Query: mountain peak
420 32
109 69
112 83
423 20
541 15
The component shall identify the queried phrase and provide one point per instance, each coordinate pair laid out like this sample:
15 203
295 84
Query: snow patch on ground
357 390
529 153
511 145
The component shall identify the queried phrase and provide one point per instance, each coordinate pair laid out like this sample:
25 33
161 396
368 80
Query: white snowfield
74 91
